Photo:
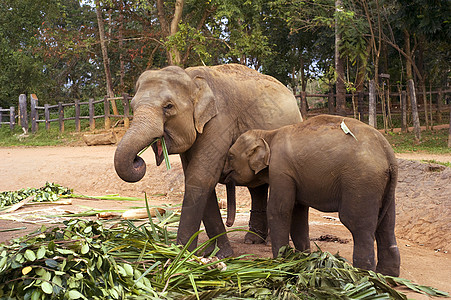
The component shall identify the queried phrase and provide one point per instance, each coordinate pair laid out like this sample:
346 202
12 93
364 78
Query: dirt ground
423 203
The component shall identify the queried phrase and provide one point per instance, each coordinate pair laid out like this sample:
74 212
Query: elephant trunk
144 130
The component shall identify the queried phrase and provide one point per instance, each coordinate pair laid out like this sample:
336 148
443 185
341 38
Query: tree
170 29
106 60
340 88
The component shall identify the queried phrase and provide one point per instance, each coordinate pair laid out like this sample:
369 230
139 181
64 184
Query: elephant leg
361 222
258 222
300 228
388 258
363 253
280 208
191 215
199 201
214 226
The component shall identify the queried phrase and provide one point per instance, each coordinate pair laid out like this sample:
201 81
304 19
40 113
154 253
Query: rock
107 138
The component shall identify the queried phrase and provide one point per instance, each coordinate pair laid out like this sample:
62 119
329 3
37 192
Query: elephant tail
388 200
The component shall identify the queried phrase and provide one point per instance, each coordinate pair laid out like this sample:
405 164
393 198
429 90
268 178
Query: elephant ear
259 156
204 103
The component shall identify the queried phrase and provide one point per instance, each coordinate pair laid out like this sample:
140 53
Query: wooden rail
378 103
12 117
48 114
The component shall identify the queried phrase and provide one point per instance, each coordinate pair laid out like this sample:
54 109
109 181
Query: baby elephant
332 164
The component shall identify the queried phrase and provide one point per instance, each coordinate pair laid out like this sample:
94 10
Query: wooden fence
48 114
10 112
374 103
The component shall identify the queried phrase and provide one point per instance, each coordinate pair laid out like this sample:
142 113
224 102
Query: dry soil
423 203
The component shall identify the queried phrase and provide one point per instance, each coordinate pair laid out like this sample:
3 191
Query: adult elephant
200 112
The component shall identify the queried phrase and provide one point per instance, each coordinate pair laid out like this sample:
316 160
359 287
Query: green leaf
65 251
88 229
41 252
128 269
29 255
73 294
51 263
47 287
36 295
3 262
85 249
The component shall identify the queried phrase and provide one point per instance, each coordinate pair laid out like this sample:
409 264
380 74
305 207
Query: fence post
23 112
449 131
416 119
330 103
126 104
106 108
12 118
92 121
304 105
360 105
47 117
372 117
61 116
77 115
34 113
439 106
404 111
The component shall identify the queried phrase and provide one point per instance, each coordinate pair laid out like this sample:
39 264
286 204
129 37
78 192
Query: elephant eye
168 106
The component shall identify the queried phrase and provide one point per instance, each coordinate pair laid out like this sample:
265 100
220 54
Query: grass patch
433 161
42 137
434 142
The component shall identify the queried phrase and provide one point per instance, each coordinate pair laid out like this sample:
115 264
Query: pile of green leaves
88 260
49 192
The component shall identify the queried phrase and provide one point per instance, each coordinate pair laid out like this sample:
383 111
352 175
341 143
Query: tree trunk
439 107
339 67
106 63
420 65
430 106
303 79
409 74
403 100
416 119
449 132
384 108
121 50
173 54
362 69
372 105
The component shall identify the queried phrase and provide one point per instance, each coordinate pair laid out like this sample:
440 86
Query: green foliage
51 48
83 259
87 260
49 192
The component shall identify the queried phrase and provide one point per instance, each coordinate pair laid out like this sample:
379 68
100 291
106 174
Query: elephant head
248 159
168 103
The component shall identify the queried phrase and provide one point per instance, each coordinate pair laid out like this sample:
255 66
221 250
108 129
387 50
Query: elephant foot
254 238
223 252
388 261
258 228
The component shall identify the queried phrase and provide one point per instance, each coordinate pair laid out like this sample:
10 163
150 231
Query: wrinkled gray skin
200 112
315 164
